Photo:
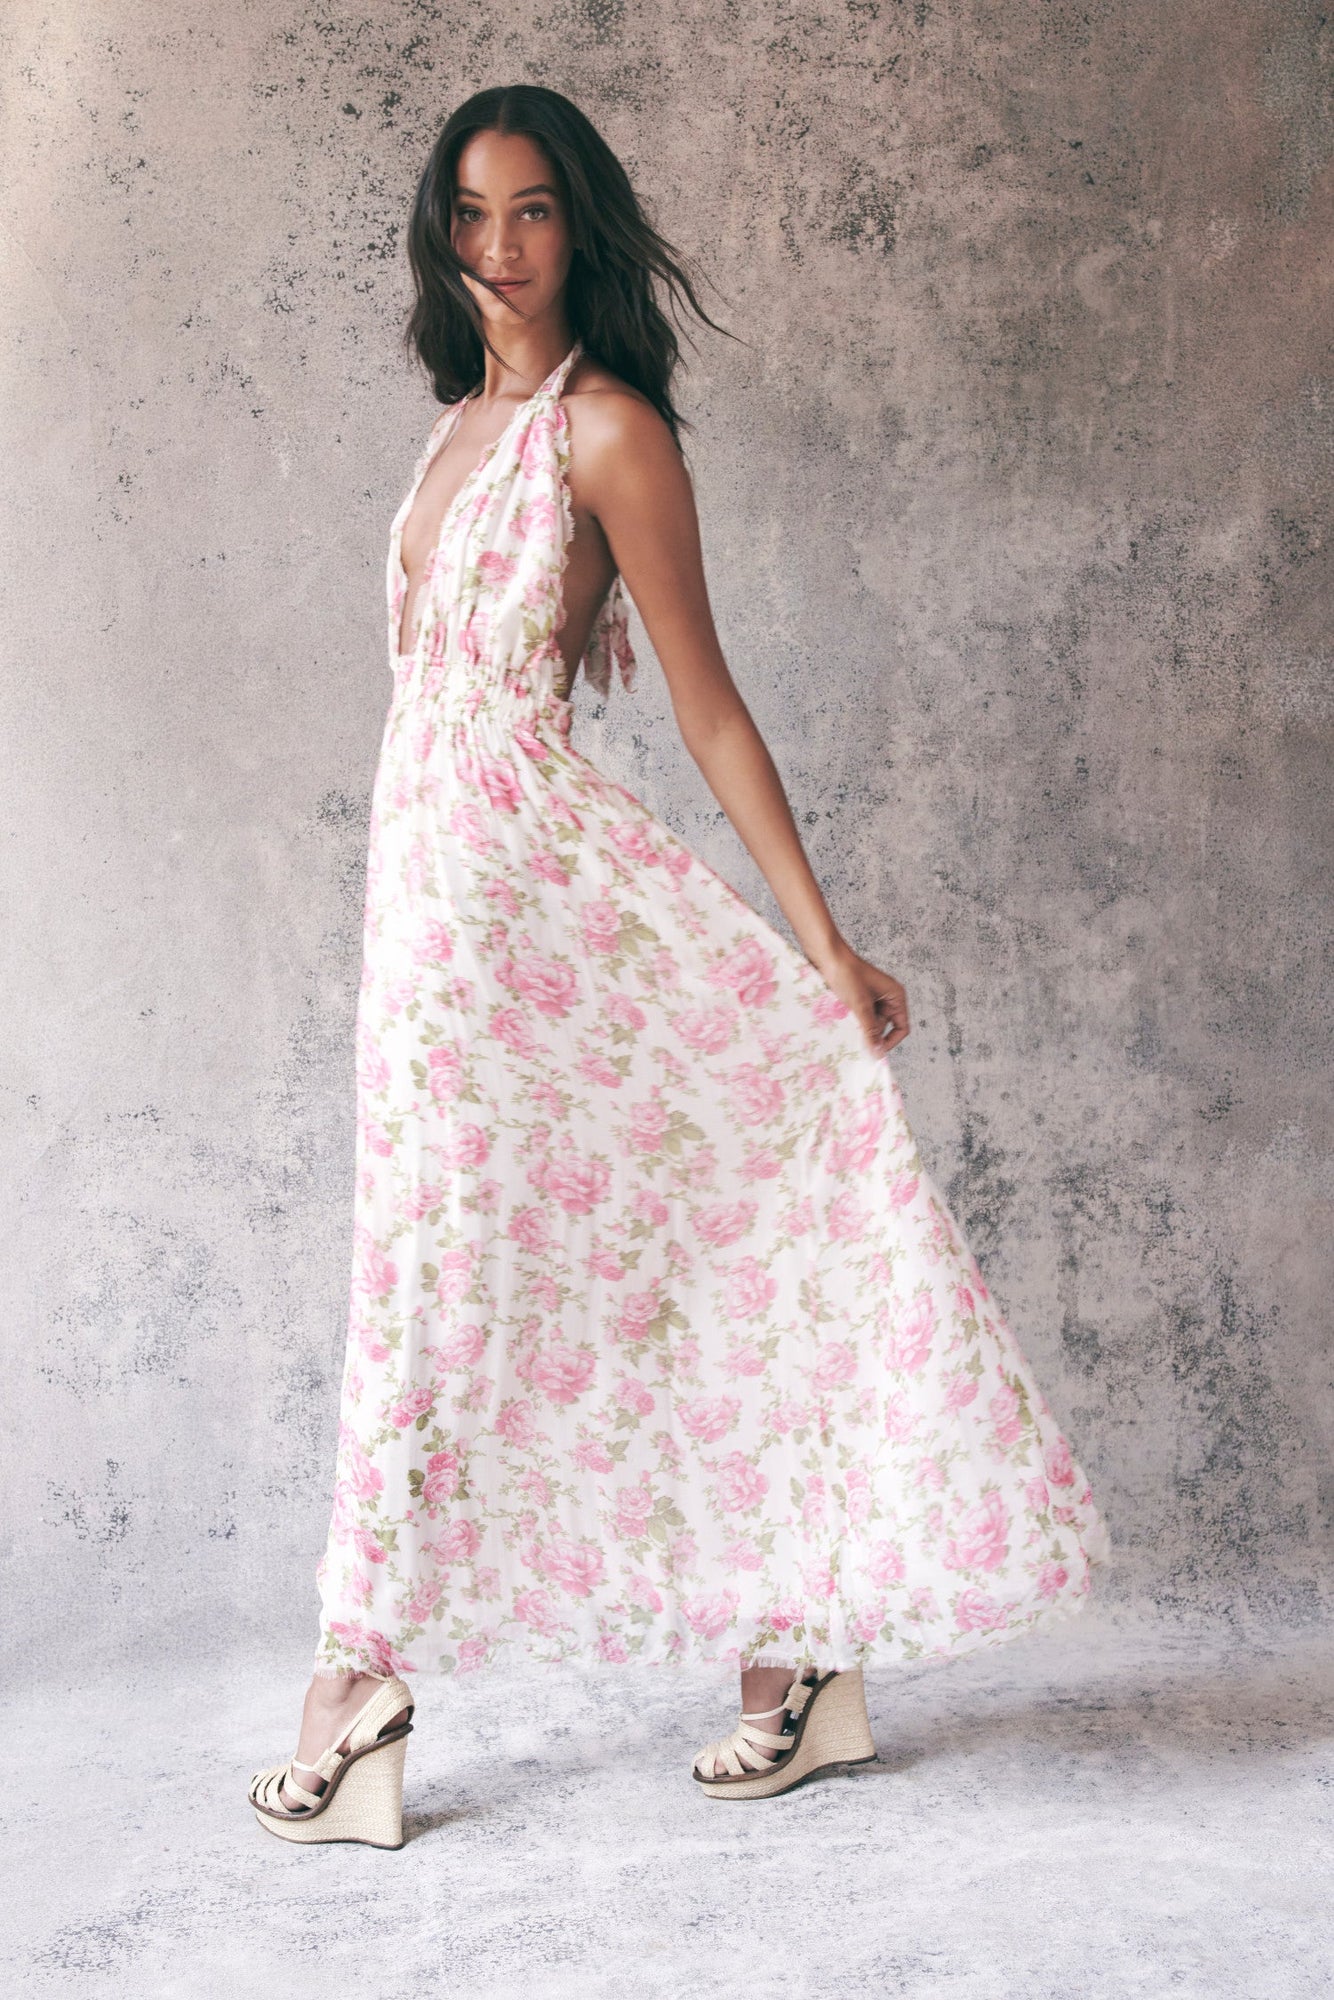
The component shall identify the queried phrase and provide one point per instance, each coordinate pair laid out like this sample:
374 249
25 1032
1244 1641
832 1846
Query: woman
662 1346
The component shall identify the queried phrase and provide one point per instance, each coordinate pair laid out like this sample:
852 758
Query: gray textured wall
1012 506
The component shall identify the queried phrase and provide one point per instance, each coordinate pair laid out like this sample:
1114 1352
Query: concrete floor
1121 1807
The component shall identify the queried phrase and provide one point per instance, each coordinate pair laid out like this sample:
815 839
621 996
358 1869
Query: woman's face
510 226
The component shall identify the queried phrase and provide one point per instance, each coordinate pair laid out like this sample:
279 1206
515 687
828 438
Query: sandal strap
266 1789
389 1698
797 1697
738 1753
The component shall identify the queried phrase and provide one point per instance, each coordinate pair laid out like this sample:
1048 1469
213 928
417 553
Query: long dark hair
619 259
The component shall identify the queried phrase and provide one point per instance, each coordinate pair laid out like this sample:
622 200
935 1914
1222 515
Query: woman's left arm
627 471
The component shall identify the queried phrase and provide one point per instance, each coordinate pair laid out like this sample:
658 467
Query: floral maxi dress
662 1345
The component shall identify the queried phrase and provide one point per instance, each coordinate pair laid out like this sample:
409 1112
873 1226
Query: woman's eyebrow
541 188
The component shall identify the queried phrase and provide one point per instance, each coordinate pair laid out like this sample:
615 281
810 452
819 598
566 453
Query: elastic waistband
458 702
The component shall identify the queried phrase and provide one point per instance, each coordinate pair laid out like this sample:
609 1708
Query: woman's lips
508 284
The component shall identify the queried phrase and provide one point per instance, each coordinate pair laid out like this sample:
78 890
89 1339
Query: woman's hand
877 999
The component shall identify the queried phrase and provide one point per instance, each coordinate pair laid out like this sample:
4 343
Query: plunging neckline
447 518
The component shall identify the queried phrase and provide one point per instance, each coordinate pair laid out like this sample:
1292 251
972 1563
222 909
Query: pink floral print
662 1345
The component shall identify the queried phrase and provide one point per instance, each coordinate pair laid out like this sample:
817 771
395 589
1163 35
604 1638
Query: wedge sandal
362 1795
826 1728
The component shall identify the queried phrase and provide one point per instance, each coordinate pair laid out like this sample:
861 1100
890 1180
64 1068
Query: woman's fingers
876 998
889 1017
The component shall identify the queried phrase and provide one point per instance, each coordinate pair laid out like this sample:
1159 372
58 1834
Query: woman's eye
466 214
536 208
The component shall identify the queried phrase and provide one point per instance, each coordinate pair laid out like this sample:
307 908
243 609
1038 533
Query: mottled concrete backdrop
1013 506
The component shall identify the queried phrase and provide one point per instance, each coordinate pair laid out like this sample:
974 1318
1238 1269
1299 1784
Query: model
663 1347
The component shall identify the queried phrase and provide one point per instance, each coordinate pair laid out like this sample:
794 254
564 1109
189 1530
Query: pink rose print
473 1652
900 1419
414 1404
515 1424
749 1291
1052 1579
707 1030
547 984
373 1072
530 1229
784 1615
744 1552
455 1279
745 1359
622 1012
561 1373
467 1147
1007 1421
649 1207
459 1543
980 1541
576 1185
496 568
634 1321
512 1031
828 1007
367 1546
886 1565
598 1069
710 1614
748 972
376 1139
422 1200
433 944
641 1592
419 1607
634 1505
633 1396
648 1122
634 841
847 1219
576 1567
442 1479
755 1096
464 1348
376 1274
709 1418
911 1335
974 1611
837 1364
725 1221
600 926
960 1389
535 1609
740 1486
549 867
857 1136
1060 1470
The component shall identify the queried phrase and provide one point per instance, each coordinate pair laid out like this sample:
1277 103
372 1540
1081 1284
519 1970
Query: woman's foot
332 1704
764 1712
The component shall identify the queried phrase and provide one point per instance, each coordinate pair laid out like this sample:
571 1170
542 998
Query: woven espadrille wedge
362 1795
826 1727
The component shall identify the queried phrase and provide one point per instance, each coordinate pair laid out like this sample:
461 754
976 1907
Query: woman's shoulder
607 414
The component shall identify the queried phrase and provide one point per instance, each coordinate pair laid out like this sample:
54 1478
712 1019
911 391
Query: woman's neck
528 351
